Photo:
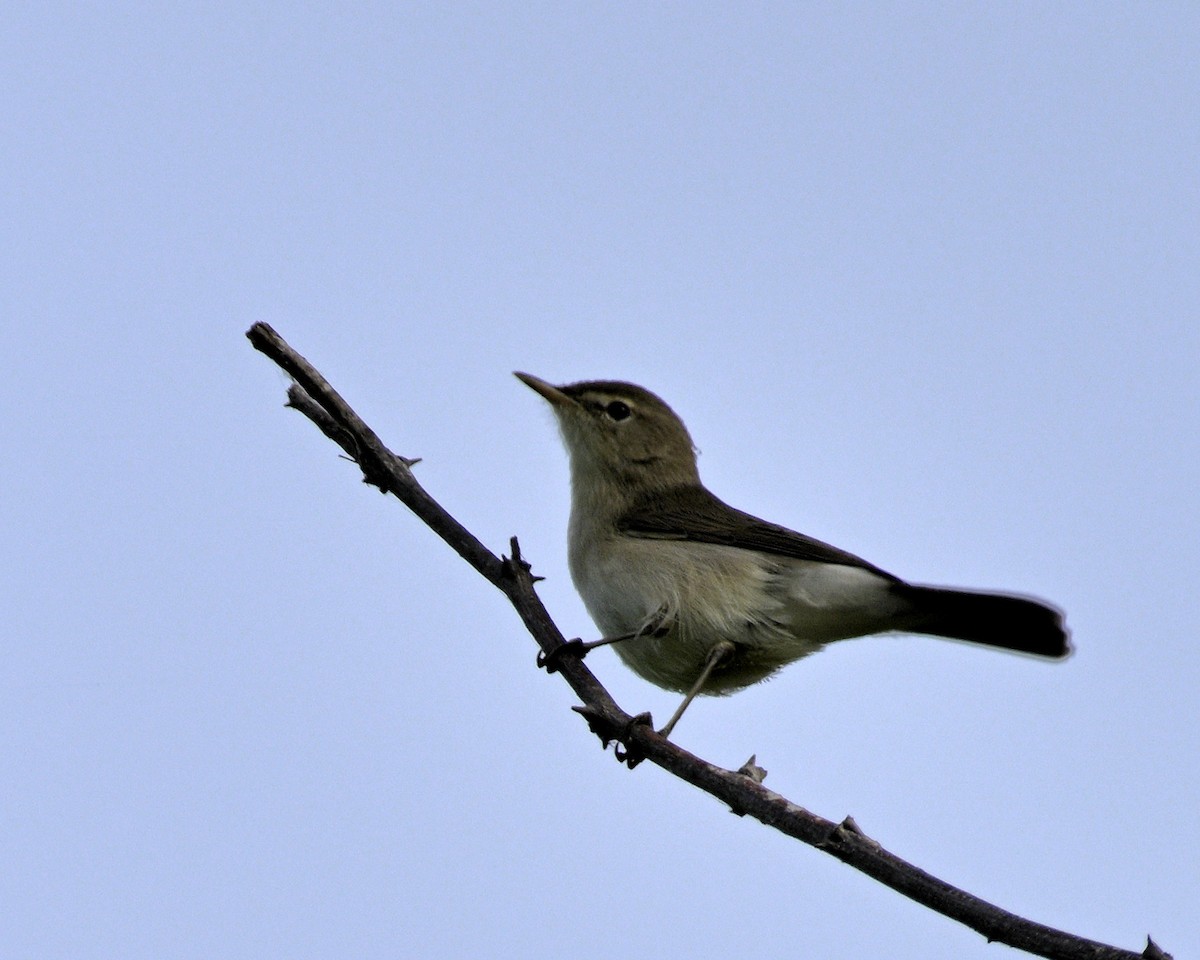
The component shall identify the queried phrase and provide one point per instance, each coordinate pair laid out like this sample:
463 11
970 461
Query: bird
701 598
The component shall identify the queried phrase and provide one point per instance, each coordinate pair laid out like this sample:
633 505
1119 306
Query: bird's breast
680 599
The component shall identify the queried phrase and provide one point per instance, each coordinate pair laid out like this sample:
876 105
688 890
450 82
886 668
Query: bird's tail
996 620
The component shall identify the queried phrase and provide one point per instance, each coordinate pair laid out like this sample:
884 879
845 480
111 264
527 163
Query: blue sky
923 281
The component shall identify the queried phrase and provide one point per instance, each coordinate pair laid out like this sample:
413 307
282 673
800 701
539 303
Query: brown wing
692 513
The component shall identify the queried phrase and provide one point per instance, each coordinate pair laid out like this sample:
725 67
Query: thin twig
637 740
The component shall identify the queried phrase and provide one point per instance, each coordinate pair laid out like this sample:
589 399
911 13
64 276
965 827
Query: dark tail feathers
1011 623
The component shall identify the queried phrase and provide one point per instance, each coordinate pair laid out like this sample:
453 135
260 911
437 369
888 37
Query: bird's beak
547 390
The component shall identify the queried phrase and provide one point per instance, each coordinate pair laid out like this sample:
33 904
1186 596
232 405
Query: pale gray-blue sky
923 282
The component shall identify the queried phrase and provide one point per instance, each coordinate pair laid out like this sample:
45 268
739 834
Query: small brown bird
704 599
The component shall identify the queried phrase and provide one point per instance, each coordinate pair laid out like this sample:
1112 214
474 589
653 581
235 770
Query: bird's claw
550 661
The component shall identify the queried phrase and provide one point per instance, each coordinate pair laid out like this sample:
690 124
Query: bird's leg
576 648
579 648
716 656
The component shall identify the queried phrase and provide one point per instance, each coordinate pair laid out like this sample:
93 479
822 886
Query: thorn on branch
848 828
517 564
752 771
1154 952
598 722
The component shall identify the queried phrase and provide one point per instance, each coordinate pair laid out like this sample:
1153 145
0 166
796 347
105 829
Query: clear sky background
922 279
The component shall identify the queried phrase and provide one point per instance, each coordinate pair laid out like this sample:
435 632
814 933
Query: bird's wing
694 514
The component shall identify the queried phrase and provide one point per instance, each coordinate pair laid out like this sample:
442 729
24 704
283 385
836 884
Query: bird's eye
617 410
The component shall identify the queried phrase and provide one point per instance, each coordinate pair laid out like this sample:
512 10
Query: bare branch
742 790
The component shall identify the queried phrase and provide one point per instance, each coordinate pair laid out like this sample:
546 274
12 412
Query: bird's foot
570 648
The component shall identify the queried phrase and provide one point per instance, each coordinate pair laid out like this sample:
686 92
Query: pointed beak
547 390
